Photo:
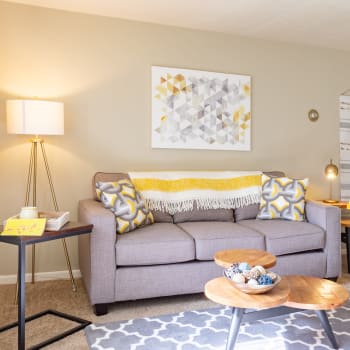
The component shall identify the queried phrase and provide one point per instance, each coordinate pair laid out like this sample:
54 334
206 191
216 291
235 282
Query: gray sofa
175 254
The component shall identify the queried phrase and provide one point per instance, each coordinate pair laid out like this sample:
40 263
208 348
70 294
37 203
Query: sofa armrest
328 217
97 259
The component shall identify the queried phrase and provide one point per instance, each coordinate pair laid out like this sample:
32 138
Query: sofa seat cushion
160 243
213 236
286 237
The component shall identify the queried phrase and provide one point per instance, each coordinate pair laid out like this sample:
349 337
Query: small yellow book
24 227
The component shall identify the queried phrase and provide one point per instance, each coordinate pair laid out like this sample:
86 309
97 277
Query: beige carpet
59 296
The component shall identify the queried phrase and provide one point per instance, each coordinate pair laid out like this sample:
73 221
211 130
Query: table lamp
37 117
331 172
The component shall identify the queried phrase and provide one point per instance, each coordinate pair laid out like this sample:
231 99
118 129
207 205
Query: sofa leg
334 279
100 309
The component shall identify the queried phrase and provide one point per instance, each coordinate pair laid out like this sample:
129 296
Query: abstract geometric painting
200 110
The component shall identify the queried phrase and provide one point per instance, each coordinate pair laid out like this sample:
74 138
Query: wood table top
345 222
68 230
296 291
315 293
339 204
226 258
222 291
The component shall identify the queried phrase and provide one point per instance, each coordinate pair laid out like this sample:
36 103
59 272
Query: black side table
69 230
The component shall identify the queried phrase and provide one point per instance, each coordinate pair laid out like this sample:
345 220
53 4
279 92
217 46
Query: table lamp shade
331 170
35 117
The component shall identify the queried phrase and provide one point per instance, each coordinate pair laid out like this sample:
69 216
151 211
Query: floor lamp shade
35 117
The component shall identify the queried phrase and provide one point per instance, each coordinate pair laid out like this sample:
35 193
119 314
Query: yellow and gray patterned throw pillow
282 198
126 203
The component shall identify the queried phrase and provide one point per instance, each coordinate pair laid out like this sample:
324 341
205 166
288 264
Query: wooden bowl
250 289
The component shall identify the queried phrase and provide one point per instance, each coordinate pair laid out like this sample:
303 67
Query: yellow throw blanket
174 192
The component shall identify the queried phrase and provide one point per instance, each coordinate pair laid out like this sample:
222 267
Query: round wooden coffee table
313 293
292 293
318 294
226 258
221 291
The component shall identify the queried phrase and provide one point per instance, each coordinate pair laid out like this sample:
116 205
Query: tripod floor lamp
35 117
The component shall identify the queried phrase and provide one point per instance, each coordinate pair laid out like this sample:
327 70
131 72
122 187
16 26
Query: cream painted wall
100 68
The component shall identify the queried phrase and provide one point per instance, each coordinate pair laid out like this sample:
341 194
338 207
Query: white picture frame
194 109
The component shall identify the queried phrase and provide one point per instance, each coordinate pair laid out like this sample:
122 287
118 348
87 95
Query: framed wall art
196 109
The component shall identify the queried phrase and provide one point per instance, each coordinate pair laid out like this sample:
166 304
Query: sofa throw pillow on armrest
282 198
106 186
126 203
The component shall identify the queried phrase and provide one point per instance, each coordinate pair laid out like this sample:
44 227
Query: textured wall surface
101 69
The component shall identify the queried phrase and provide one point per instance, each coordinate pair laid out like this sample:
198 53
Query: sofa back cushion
204 215
251 211
113 177
160 216
246 213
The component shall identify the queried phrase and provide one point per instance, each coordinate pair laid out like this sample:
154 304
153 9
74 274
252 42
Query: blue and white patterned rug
208 329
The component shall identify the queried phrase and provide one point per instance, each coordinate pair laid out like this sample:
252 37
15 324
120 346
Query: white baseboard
40 276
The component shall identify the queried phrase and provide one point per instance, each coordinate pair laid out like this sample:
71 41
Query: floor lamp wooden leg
31 182
74 287
15 301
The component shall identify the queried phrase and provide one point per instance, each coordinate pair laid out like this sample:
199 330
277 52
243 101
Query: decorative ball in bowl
251 279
